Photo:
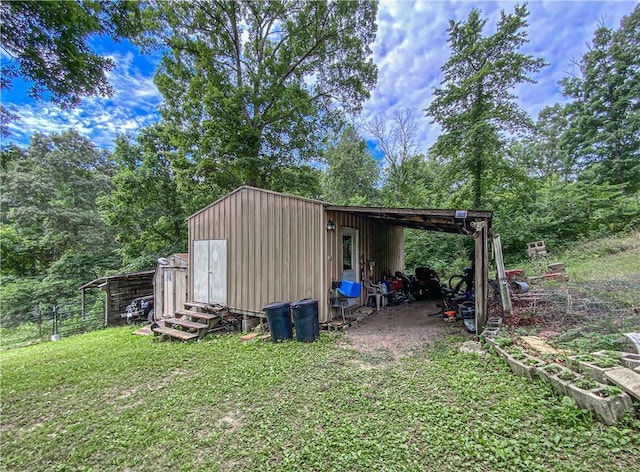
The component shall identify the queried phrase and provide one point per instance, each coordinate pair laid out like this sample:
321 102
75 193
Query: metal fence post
55 336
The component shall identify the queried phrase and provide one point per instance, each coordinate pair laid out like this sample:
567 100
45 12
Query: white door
210 271
350 254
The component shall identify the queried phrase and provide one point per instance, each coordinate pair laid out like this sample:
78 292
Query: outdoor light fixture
331 225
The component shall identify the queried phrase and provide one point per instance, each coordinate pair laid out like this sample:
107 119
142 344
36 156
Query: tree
48 43
52 237
352 172
147 207
251 87
545 152
408 177
605 114
475 105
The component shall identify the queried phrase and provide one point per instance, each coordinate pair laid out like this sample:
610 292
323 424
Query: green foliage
300 406
606 361
448 254
604 117
475 105
585 383
611 391
53 237
588 341
147 207
49 45
236 78
352 172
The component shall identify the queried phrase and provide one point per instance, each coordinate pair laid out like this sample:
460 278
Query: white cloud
133 106
411 47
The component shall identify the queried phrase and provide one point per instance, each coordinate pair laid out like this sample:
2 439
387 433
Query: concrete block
627 380
523 367
597 373
630 361
489 332
558 376
608 410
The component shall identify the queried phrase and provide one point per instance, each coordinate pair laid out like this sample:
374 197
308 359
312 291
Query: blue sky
410 49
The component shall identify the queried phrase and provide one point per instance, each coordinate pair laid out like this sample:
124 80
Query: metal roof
131 275
447 221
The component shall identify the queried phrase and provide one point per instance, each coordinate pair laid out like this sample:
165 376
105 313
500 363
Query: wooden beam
502 276
481 262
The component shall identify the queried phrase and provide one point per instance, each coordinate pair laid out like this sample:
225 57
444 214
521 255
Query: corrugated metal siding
179 278
377 241
275 245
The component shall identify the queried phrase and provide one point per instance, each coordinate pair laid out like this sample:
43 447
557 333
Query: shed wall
178 268
120 292
275 247
378 241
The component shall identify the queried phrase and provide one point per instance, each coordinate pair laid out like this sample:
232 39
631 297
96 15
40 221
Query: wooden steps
190 324
210 319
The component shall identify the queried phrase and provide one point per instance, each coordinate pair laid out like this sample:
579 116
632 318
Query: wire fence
50 324
604 307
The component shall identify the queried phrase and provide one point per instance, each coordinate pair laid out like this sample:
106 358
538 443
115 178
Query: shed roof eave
443 220
248 187
102 280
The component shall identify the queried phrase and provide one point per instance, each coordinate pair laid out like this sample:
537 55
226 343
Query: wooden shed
170 288
121 289
254 247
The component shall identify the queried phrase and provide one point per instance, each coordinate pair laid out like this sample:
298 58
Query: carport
473 223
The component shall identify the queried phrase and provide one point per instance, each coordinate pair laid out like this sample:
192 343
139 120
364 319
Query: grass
605 259
111 401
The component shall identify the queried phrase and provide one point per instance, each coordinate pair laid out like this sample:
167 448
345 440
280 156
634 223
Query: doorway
350 254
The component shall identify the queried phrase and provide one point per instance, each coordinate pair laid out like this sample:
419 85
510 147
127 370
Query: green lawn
112 401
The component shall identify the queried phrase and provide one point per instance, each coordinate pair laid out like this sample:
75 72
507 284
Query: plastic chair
376 291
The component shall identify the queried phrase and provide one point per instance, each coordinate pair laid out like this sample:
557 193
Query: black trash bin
279 320
305 318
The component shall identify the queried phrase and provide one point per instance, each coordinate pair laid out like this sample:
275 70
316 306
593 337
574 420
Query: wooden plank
175 333
502 276
197 314
185 323
248 337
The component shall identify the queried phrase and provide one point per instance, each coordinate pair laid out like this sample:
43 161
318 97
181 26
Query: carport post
482 272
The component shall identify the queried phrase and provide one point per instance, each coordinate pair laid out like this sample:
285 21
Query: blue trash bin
279 320
305 318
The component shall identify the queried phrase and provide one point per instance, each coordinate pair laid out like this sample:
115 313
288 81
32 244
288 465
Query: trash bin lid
275 305
304 301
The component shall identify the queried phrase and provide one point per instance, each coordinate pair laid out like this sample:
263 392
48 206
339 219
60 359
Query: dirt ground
401 330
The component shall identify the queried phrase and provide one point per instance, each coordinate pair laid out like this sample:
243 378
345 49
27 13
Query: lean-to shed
170 286
120 290
254 247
